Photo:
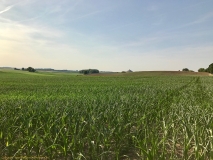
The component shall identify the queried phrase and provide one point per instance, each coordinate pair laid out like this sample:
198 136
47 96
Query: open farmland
129 116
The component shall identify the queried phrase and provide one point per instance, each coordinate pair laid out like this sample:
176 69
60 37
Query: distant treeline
44 69
29 69
89 71
54 70
209 69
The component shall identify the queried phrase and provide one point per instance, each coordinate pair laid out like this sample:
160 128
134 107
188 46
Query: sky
109 35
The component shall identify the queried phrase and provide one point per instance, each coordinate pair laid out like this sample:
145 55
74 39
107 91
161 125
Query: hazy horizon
106 35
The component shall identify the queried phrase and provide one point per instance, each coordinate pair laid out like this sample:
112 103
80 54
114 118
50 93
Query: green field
143 115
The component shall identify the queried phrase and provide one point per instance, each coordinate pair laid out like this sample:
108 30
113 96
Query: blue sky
110 35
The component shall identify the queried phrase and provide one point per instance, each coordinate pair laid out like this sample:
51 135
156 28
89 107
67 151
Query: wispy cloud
123 26
87 15
10 6
70 8
7 9
36 17
54 34
143 41
200 20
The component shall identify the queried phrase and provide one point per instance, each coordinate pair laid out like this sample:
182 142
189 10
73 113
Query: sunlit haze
107 35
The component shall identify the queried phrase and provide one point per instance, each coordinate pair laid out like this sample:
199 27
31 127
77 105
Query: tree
89 71
185 69
31 69
207 70
201 70
93 71
85 72
210 68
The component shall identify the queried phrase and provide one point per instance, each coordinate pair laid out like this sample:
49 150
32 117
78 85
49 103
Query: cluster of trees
30 69
202 70
209 69
186 69
89 71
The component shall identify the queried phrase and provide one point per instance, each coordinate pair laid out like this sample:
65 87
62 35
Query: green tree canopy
201 70
89 71
210 68
185 69
31 69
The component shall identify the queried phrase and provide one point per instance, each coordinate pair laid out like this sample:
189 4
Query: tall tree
210 68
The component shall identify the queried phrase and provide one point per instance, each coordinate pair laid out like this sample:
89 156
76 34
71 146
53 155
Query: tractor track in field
171 97
176 94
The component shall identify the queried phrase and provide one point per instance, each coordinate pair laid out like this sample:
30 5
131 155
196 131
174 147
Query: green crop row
125 117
